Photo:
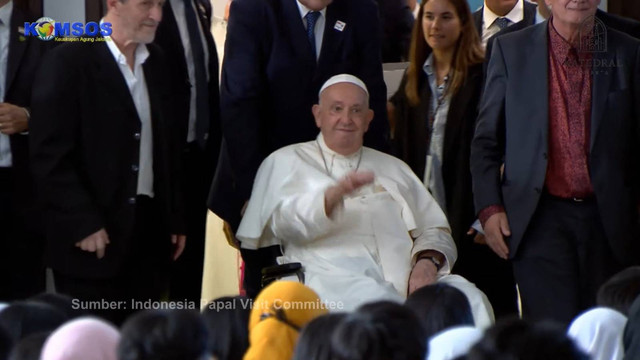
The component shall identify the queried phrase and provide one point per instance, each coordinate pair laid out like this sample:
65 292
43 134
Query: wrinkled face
343 117
441 25
501 7
315 5
138 19
573 12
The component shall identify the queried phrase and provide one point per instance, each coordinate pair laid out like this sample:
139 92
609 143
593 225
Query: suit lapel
601 82
332 38
17 46
110 78
536 107
297 32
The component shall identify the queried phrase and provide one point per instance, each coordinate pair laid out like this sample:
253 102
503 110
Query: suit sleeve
488 145
242 92
55 155
370 56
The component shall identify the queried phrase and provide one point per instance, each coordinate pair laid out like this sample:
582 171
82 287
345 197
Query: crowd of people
394 229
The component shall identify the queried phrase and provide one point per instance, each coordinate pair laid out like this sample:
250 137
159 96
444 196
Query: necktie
312 17
202 90
502 22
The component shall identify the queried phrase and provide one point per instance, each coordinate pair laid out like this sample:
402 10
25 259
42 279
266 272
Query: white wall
64 10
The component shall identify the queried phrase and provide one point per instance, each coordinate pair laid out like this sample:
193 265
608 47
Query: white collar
515 15
304 10
5 13
325 149
141 53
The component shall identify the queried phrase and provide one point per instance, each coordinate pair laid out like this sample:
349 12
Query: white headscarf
453 342
82 339
598 332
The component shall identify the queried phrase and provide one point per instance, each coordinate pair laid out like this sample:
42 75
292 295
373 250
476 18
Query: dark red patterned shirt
569 119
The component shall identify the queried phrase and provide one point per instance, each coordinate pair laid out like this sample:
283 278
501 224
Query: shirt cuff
489 211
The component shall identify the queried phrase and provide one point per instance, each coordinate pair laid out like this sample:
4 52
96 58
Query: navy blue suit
270 81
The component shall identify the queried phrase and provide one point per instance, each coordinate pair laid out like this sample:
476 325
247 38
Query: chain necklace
324 161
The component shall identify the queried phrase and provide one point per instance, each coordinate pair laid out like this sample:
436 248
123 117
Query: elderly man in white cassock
360 222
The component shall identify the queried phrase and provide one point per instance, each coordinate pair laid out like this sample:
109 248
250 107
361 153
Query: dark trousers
186 272
491 274
562 260
254 262
143 278
22 271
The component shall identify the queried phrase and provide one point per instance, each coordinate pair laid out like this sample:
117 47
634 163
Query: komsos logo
46 29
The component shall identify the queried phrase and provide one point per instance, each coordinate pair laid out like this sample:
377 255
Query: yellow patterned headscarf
278 314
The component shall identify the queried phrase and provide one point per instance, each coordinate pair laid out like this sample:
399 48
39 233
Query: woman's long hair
468 51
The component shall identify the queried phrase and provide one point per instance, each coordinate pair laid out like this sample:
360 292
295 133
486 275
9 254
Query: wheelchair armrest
275 272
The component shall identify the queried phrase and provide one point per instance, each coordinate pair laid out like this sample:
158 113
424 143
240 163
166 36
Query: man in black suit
566 208
106 165
273 68
396 18
497 15
21 246
185 37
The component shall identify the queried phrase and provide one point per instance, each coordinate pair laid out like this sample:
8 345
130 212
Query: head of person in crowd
30 348
164 335
279 312
439 307
631 336
501 7
227 320
342 113
133 21
518 339
379 331
82 339
452 343
598 332
620 290
23 318
61 302
316 5
315 339
445 29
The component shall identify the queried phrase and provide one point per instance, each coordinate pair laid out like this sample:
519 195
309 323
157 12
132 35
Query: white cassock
366 251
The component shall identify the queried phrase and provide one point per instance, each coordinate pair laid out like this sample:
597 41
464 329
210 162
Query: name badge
339 25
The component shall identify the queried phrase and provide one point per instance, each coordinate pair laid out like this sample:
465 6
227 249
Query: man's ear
369 117
316 114
111 4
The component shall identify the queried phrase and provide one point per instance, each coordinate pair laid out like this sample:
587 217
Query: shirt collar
428 65
5 13
304 10
561 48
515 15
329 152
141 54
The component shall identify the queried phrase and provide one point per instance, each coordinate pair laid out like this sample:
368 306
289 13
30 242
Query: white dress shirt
490 28
178 10
6 159
318 32
138 89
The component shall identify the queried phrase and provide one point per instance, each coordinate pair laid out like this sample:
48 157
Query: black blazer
85 135
530 11
396 18
168 38
513 125
270 81
26 53
410 136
